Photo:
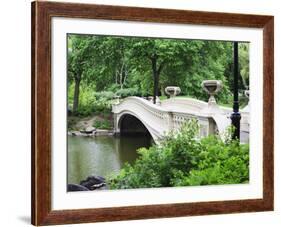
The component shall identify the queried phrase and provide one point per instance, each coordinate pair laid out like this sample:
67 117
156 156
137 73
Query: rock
105 187
74 133
93 182
76 188
91 131
88 130
98 186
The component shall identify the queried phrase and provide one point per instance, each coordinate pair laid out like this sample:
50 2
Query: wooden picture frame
42 13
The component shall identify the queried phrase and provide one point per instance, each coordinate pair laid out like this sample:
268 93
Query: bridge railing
145 110
183 103
161 119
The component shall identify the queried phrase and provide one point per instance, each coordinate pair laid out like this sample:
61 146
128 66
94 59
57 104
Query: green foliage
91 102
104 95
123 93
124 66
210 63
219 164
244 63
102 124
183 159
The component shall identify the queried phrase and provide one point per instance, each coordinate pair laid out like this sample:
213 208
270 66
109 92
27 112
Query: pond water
101 156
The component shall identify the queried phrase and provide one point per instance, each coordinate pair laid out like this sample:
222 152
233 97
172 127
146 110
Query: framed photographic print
144 113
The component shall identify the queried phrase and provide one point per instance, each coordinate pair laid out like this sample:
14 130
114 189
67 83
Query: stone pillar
116 128
212 126
170 121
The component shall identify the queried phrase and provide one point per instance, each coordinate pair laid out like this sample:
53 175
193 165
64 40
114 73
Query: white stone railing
192 105
160 119
172 113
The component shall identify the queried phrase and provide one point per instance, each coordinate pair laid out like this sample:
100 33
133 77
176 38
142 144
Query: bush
102 124
104 95
94 102
126 92
113 87
183 160
219 163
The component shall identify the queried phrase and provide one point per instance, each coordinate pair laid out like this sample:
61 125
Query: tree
160 53
184 63
202 60
147 65
243 76
244 63
79 61
113 53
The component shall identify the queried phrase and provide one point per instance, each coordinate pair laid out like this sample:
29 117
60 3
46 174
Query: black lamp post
235 116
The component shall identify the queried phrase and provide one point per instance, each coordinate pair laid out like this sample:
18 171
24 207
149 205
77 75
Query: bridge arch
128 123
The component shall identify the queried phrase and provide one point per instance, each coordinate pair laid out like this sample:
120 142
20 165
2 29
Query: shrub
219 163
104 95
183 160
95 102
113 87
126 92
102 124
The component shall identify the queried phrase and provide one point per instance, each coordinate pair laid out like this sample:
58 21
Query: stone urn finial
116 99
212 87
172 91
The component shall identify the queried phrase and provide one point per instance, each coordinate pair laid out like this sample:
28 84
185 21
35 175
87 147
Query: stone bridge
135 114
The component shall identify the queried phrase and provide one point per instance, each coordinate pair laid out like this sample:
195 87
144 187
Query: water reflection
101 155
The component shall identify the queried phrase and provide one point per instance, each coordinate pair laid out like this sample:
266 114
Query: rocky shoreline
91 133
90 184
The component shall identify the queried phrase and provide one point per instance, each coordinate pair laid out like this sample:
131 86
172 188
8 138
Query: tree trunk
76 95
156 75
155 78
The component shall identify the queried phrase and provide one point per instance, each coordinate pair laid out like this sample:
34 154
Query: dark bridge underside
130 125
